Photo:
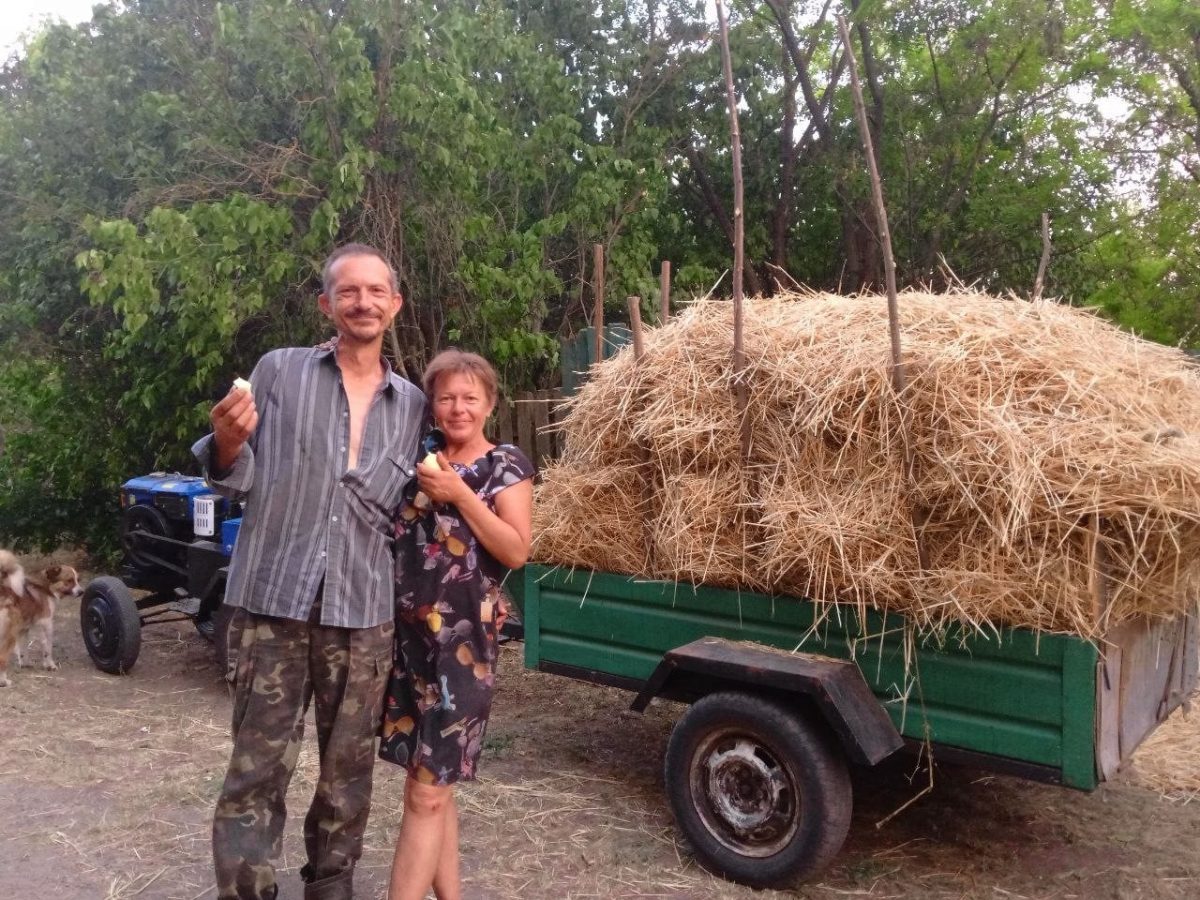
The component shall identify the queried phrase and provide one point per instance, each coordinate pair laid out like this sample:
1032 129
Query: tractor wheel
763 795
141 520
112 627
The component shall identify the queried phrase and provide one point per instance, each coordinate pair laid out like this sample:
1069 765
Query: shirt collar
391 381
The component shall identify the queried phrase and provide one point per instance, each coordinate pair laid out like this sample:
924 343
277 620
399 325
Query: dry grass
1052 453
1169 760
107 787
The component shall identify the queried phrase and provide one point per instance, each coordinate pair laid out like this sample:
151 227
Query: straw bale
603 440
850 520
1050 451
592 517
699 530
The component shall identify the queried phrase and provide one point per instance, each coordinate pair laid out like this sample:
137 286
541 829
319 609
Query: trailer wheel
112 627
763 796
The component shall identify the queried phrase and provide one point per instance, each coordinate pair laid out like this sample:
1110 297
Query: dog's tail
11 573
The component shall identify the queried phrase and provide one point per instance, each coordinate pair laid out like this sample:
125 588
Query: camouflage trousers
276 667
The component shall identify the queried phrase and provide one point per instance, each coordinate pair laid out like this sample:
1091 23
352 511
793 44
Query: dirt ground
107 785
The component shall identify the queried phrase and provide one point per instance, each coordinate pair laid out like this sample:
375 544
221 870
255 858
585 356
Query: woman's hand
505 531
442 485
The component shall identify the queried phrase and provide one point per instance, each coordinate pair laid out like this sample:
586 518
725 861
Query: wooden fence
528 422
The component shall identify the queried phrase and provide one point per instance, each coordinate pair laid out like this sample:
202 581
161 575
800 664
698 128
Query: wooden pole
634 305
899 376
1044 262
739 359
598 305
664 293
635 324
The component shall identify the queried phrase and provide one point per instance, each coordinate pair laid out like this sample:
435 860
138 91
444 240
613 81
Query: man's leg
269 658
349 670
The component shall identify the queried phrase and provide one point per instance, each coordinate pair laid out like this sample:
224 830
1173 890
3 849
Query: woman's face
461 406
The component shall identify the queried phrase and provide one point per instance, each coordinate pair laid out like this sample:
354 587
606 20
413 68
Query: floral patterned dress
448 591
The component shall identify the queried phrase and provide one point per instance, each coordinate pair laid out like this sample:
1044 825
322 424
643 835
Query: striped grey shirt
306 517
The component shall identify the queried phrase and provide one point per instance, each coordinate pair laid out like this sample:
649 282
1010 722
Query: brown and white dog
27 605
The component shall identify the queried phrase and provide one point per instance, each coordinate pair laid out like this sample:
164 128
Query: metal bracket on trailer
836 686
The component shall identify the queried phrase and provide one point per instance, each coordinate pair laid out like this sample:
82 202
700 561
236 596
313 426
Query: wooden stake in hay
1039 433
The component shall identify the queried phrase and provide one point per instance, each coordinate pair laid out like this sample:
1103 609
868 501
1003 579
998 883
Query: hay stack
1169 760
1050 449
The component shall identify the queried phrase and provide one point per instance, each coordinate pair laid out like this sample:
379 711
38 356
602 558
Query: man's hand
233 420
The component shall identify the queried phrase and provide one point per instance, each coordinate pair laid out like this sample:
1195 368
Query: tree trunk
717 210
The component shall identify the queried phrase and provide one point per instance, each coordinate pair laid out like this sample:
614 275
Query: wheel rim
744 793
100 636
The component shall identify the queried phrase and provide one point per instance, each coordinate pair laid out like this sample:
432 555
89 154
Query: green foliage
182 168
185 167
181 290
1146 275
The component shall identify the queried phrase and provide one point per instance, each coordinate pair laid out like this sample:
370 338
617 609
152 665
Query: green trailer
782 701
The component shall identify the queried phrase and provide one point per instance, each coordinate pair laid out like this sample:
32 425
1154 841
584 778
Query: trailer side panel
1018 695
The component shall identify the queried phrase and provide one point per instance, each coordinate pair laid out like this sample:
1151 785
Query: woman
468 524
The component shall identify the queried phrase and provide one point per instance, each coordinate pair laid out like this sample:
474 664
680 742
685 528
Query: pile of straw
1055 477
1169 760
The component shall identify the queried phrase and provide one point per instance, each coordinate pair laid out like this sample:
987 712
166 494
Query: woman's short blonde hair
459 362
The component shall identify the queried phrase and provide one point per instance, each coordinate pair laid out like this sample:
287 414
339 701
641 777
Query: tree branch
717 209
800 61
871 70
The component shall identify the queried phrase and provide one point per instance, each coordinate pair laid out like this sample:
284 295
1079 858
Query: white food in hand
431 461
242 384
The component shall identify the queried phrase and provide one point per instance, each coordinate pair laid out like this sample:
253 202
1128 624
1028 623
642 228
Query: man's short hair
355 250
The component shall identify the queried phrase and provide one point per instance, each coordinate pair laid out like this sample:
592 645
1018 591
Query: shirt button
341 449
335 518
322 552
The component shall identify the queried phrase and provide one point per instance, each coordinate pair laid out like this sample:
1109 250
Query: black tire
112 627
763 796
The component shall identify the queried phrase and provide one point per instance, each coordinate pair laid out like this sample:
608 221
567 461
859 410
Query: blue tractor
177 537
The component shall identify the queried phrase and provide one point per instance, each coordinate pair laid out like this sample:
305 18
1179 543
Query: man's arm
227 455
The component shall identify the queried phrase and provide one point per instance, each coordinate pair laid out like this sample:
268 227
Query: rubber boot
335 887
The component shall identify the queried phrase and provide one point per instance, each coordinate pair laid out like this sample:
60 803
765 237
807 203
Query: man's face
361 303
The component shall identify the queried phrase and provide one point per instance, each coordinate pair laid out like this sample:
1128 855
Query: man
320 448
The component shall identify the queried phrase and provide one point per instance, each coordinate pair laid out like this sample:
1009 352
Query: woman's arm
505 533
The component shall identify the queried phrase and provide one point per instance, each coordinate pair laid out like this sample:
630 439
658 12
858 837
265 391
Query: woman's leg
447 884
419 846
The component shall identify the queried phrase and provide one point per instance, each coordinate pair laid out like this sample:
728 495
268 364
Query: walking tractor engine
176 537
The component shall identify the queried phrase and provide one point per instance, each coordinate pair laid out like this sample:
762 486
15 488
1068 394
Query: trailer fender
835 686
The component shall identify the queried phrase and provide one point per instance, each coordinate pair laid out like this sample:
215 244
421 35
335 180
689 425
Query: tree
216 152
1146 271
176 170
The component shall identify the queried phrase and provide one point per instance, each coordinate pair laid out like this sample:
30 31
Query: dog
27 605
